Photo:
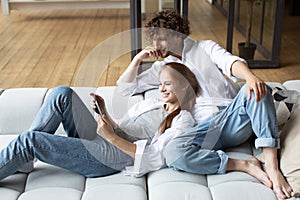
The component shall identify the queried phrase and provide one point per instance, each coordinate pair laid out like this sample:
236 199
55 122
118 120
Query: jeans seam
40 128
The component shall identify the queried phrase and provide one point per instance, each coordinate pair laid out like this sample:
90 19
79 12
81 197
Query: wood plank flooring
49 48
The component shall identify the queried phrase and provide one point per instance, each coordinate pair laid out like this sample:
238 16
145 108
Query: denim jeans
82 151
199 150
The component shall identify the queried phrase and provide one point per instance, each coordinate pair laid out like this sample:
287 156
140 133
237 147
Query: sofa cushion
117 186
290 151
167 183
18 108
231 185
170 184
13 186
51 182
292 85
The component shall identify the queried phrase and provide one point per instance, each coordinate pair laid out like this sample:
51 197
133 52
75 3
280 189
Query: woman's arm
106 131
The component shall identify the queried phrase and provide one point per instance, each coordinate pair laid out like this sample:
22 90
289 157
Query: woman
109 151
200 149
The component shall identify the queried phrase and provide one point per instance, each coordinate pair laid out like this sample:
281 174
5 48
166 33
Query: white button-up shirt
150 157
207 60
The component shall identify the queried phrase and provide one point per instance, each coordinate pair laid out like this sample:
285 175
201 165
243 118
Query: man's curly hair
168 20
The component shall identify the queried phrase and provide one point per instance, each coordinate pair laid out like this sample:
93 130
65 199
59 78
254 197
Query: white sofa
18 106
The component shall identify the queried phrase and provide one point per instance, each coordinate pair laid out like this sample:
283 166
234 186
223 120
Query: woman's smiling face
167 87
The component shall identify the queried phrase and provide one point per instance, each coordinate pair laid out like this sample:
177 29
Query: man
205 58
213 67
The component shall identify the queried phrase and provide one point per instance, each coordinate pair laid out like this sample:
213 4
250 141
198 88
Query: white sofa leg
5 7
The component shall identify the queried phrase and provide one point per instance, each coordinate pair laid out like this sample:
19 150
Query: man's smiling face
167 44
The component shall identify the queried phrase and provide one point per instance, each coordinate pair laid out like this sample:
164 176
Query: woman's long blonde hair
187 79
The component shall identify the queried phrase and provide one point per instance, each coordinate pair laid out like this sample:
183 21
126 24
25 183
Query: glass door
266 28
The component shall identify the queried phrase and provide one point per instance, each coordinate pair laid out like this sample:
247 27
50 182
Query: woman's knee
62 91
59 95
26 139
23 144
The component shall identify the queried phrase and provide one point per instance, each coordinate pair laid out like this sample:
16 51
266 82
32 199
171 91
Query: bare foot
280 185
255 170
252 167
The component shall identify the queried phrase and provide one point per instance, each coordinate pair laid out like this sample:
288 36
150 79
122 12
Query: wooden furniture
8 5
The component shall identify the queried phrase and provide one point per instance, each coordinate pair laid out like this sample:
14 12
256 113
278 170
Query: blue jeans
83 151
199 150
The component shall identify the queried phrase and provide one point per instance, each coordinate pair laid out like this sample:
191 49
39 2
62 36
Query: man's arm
131 72
253 83
130 82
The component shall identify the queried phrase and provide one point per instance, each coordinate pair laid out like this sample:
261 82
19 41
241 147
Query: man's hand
253 83
257 86
148 52
132 70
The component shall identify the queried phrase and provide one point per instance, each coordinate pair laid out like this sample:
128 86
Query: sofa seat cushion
50 182
170 184
231 185
117 186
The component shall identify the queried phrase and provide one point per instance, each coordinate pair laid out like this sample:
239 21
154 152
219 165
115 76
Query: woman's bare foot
252 167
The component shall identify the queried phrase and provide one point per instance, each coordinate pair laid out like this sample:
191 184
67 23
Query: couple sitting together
192 123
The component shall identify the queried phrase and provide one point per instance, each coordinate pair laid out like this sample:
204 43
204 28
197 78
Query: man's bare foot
252 167
255 170
280 185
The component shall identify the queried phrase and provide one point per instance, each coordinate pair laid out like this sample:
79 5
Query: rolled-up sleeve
147 159
150 157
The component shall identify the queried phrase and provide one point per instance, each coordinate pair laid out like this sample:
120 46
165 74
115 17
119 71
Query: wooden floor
59 47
